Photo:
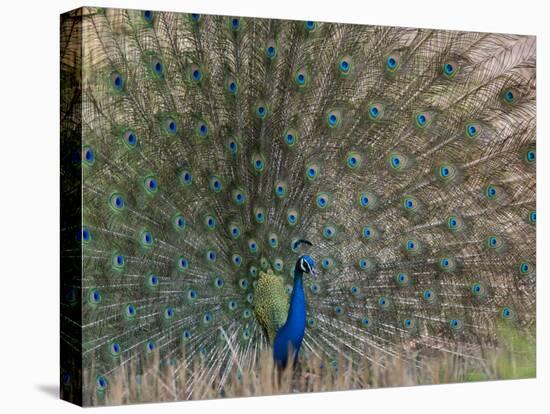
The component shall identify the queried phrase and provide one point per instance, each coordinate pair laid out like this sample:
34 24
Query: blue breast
290 336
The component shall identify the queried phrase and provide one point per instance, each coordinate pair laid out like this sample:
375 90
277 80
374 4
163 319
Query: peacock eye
393 61
186 178
491 192
450 69
447 264
146 239
327 263
532 217
428 296
118 261
231 85
280 188
477 289
402 279
94 297
261 110
312 171
301 78
446 172
334 118
253 271
366 322
259 215
423 119
278 264
367 232
291 137
130 312
410 204
397 161
157 67
129 138
243 283
211 256
510 95
116 201
186 334
273 240
365 264
292 217
456 324
252 246
376 111
454 223
101 383
322 200
210 222
150 347
367 200
271 49
237 260
530 156
258 163
148 16
151 281
183 264
473 130
345 65
150 184
495 242
194 73
168 313
117 81
408 324
412 246
170 125
526 268
195 17
329 231
354 160
310 26
232 146
250 296
66 379
383 303
315 288
71 297
235 24
178 222
238 196
88 155
192 295
234 231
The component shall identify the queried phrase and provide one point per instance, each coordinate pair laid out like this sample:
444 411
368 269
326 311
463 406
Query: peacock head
306 264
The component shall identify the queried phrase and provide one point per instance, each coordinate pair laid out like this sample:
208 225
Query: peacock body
212 144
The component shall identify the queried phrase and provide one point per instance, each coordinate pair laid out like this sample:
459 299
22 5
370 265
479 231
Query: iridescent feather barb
213 144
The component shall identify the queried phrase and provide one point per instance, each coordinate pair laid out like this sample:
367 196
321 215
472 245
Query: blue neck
292 332
297 310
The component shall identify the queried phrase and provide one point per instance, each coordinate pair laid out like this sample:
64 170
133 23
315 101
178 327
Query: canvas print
258 206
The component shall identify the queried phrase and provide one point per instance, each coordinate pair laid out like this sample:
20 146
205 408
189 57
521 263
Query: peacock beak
313 273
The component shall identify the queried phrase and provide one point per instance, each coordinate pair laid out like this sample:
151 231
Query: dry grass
165 382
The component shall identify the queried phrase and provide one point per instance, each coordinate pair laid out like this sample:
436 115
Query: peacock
307 189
